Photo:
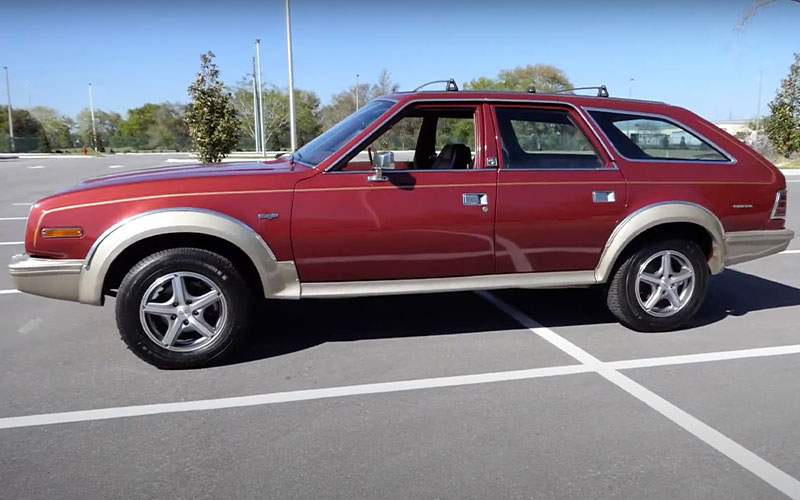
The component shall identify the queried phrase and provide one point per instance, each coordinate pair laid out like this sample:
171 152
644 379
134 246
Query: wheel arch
673 218
182 227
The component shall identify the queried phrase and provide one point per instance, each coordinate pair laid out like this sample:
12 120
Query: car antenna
451 85
602 90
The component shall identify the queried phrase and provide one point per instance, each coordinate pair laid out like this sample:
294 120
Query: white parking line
6 292
379 388
770 474
9 243
791 251
116 166
36 167
13 218
21 204
284 397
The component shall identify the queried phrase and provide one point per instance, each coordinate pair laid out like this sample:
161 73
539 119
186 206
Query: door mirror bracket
381 162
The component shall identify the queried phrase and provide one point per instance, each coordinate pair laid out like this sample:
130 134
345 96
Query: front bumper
742 246
54 278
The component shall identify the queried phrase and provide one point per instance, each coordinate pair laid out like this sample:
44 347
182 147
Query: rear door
559 196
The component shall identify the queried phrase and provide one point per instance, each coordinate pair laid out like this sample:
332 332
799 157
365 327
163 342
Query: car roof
538 97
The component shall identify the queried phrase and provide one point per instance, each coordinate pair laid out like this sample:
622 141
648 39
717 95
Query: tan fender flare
655 215
278 279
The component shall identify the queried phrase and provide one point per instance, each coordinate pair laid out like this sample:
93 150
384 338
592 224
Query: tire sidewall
212 266
647 322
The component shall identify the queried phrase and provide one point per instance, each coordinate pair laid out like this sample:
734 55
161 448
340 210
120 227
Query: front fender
655 215
278 280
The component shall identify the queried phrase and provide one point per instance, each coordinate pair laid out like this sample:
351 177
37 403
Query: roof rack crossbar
451 85
602 91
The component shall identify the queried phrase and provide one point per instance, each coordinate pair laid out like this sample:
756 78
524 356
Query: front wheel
182 308
659 286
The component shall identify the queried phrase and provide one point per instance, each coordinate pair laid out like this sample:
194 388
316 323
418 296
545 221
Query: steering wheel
370 152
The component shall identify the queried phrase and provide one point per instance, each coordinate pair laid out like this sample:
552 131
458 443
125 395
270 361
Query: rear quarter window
641 137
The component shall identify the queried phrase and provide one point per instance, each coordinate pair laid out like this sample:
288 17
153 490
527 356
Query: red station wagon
417 192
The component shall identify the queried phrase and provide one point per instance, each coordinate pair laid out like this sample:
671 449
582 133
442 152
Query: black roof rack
602 91
451 85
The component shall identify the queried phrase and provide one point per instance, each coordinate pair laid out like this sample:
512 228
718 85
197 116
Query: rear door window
543 139
639 137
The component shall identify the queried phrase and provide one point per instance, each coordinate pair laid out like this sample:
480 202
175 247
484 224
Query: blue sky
683 52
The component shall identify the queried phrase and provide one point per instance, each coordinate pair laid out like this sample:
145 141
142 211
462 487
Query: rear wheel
182 308
659 286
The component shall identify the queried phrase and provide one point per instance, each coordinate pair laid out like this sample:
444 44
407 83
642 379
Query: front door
432 217
559 194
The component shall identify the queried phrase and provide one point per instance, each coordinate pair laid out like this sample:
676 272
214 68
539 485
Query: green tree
276 115
783 125
28 131
106 122
57 128
211 116
543 77
343 104
136 127
154 126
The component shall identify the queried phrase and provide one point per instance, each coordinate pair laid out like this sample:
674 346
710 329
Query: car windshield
343 132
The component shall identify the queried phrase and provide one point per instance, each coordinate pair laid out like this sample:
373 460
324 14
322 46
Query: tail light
779 208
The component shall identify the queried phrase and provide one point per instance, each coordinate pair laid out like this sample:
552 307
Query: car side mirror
381 162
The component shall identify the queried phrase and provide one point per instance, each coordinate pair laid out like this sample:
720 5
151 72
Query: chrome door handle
603 197
475 199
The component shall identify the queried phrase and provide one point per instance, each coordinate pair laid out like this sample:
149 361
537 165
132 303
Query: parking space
517 393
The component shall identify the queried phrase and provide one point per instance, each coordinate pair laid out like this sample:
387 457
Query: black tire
237 303
622 290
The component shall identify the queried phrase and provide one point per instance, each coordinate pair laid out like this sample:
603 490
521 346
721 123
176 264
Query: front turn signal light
62 232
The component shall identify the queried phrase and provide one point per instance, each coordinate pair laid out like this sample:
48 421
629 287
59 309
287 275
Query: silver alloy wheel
183 311
665 283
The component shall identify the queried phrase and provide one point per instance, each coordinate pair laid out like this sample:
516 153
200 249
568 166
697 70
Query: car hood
194 171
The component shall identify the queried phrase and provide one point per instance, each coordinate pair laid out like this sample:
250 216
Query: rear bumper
749 245
54 278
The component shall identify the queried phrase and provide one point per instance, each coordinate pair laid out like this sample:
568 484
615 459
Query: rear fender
655 215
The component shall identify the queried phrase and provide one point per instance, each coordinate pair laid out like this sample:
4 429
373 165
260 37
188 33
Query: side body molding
655 215
278 279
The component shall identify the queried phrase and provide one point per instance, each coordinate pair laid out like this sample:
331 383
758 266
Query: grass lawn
781 162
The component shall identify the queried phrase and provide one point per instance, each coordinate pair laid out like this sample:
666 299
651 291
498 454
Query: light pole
260 98
256 132
10 117
91 110
758 105
356 91
292 129
630 93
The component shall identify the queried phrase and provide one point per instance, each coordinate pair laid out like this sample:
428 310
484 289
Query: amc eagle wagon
423 191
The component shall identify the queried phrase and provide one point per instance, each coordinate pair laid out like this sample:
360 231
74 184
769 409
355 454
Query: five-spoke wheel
660 285
183 307
665 283
183 311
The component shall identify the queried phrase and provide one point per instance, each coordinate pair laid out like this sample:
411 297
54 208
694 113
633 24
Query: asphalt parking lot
510 394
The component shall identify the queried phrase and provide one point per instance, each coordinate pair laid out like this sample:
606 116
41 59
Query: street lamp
260 98
292 129
630 87
356 91
10 118
91 110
